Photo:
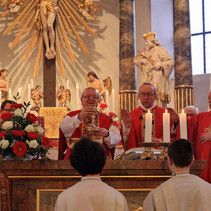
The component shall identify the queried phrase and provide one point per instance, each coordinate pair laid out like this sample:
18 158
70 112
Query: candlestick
166 127
183 125
107 100
29 93
19 91
68 85
32 84
10 94
77 96
113 100
148 127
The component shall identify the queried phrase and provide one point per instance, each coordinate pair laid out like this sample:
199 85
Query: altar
34 186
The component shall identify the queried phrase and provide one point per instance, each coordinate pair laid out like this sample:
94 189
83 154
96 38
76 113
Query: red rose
115 124
18 133
46 142
20 149
103 105
112 114
6 116
17 106
31 117
2 134
33 135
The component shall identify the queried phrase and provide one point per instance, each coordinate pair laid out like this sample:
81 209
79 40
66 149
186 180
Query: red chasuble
104 122
137 126
197 125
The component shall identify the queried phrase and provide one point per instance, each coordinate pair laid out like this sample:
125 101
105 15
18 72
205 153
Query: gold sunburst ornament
36 18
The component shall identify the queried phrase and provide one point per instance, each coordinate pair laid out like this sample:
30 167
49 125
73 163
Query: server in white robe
90 194
183 191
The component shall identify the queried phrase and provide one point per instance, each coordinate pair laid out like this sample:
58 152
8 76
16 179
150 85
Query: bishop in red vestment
74 126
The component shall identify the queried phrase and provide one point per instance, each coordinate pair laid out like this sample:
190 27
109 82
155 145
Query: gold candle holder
163 155
148 153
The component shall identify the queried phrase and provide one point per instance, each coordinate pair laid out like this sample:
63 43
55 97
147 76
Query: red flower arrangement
20 135
103 105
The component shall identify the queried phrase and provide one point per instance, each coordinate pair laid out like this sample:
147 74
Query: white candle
166 127
107 99
183 125
113 100
148 127
29 93
77 96
0 97
32 84
68 85
10 94
19 91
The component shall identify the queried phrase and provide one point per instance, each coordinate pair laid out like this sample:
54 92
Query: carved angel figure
4 84
37 17
36 96
63 96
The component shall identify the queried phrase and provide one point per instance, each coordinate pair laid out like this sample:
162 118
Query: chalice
91 127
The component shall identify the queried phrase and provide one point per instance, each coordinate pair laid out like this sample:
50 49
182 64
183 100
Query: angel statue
156 66
4 84
36 18
63 95
101 86
36 96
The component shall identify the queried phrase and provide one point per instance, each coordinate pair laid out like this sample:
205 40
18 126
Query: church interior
118 28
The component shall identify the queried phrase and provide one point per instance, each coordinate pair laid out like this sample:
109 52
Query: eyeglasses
149 94
89 97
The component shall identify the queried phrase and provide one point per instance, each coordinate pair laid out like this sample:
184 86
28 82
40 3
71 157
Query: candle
68 85
0 97
29 93
19 91
107 100
32 84
166 127
113 100
148 127
183 125
10 94
77 96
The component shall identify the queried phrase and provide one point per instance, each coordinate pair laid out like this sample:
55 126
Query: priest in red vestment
133 129
199 133
75 125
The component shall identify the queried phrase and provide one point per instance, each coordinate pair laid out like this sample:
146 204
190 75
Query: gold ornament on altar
36 18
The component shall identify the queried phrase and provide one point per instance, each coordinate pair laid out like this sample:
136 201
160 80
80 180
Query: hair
87 157
181 152
147 83
61 87
192 107
90 88
5 102
93 74
2 71
37 86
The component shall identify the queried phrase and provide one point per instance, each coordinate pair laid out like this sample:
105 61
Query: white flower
18 112
29 128
4 144
7 125
39 130
32 143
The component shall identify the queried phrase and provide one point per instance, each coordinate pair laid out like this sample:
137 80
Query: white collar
148 108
